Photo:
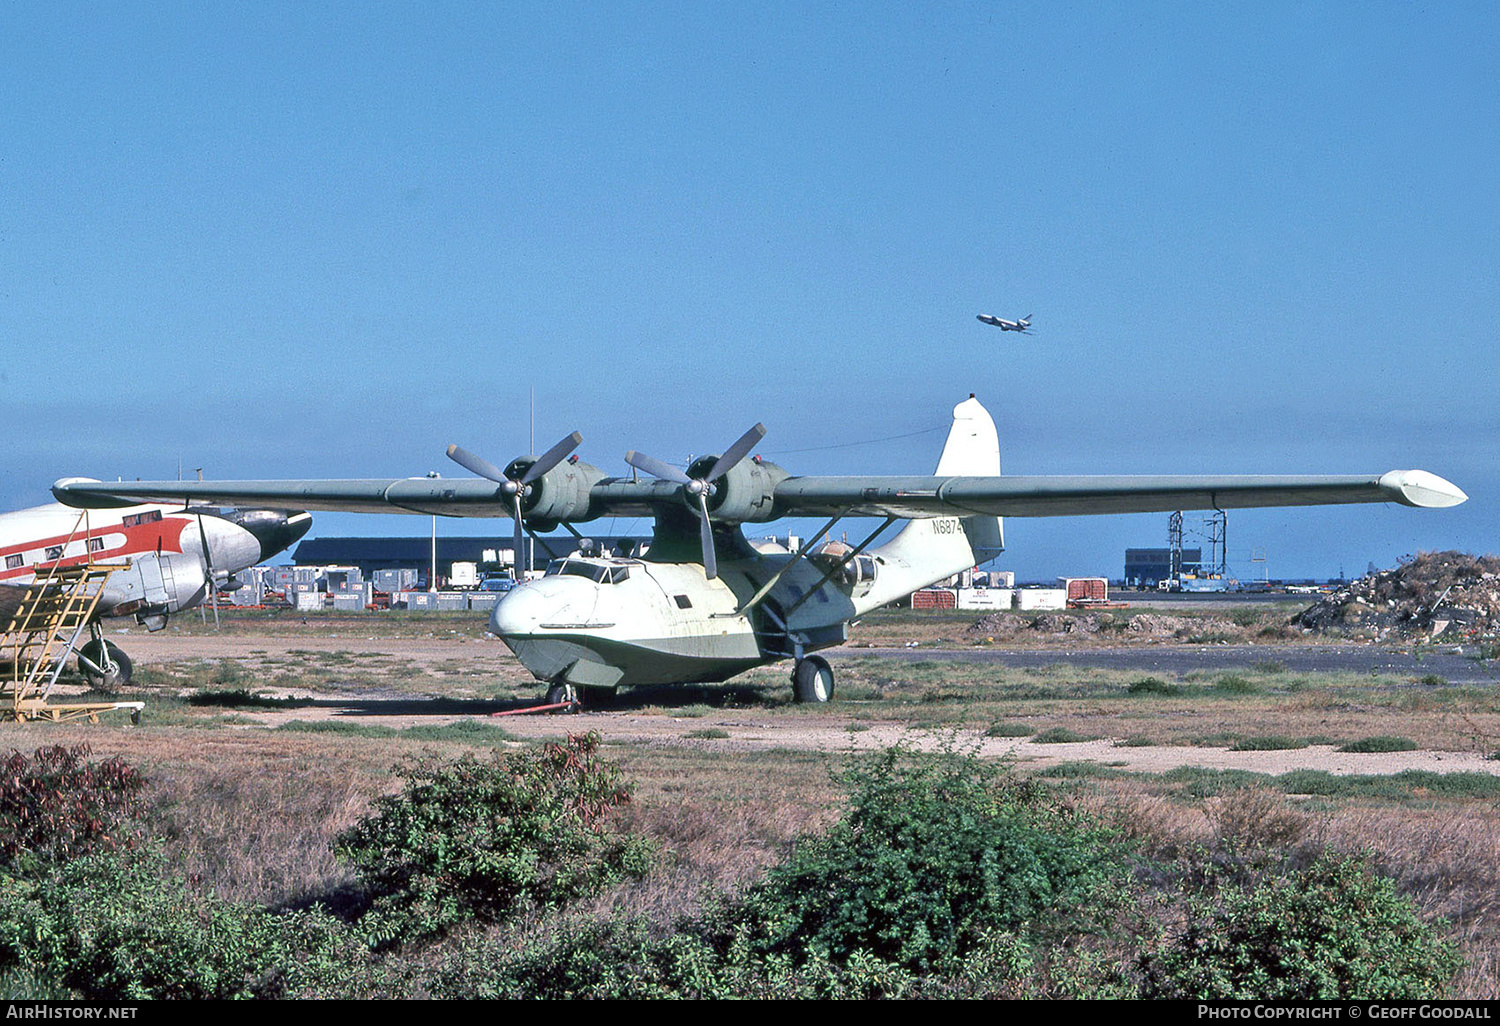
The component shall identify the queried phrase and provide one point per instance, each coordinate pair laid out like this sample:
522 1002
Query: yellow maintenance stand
43 623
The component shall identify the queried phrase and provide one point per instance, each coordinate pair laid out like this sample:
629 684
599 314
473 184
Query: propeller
701 487
208 570
516 487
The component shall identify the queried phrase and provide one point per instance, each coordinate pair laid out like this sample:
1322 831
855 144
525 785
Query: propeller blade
736 452
552 457
476 464
656 468
208 570
706 537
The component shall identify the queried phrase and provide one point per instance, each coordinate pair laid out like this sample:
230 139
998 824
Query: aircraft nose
273 529
518 612
526 608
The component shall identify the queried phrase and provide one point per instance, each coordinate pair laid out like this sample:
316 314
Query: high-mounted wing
462 497
910 497
906 497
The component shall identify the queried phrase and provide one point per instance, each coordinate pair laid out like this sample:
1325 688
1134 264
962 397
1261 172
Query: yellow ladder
43 624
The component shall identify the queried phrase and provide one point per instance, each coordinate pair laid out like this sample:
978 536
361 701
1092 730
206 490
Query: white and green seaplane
701 604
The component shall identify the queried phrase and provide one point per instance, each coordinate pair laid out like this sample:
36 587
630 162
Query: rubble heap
1452 594
1149 626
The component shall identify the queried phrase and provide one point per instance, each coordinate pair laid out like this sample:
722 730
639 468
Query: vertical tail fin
929 550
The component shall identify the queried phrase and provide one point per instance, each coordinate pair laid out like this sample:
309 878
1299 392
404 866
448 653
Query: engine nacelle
561 494
744 495
155 583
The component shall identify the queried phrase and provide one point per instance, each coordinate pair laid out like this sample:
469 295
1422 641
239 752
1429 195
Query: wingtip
1419 488
62 491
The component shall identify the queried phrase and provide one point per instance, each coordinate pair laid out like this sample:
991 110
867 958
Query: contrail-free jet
1004 325
176 556
701 604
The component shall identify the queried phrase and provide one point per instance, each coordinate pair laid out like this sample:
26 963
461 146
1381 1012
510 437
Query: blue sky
328 240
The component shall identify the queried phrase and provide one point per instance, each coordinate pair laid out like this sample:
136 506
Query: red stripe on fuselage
164 535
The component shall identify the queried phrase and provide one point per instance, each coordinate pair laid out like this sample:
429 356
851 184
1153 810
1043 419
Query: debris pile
1148 627
998 625
1452 594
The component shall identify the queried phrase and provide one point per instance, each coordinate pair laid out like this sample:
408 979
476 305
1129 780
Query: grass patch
1060 736
1268 743
1008 730
710 734
462 731
1233 684
1080 771
1152 686
1198 782
1381 743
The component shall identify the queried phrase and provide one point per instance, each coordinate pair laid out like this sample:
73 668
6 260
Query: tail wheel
104 665
812 680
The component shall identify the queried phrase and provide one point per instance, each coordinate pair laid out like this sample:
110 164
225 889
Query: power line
850 445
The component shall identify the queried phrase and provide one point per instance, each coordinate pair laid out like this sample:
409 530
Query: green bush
121 926
1332 931
486 840
630 958
55 805
933 856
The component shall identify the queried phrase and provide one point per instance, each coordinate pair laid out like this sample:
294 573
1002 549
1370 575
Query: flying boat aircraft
702 605
1005 325
178 557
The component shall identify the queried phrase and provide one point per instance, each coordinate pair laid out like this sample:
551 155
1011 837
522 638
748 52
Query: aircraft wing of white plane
906 497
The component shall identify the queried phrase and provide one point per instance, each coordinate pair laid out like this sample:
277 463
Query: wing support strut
765 589
849 558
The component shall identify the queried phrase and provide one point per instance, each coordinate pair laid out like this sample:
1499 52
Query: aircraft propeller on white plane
701 487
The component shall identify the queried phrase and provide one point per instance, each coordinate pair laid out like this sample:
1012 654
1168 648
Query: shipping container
1042 598
1087 591
309 601
934 598
986 598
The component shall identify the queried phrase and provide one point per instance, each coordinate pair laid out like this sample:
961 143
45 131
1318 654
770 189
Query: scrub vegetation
271 829
536 873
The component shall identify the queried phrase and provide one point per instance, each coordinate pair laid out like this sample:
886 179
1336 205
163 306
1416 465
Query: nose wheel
812 680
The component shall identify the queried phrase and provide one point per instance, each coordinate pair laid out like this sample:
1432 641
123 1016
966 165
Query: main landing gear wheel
559 694
104 665
812 680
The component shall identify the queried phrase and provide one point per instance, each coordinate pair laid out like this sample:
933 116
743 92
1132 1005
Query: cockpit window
593 571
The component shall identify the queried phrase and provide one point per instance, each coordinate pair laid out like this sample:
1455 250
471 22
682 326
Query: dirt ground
835 730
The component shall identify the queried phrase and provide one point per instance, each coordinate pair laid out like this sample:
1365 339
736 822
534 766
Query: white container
1042 598
986 598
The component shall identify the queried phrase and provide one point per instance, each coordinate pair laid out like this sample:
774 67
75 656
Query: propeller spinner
516 487
701 487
